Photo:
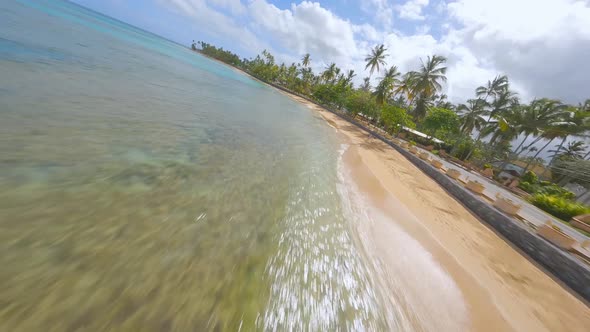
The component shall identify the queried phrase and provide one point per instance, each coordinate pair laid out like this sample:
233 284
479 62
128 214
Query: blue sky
541 45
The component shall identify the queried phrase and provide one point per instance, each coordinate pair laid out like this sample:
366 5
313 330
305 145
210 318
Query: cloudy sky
542 45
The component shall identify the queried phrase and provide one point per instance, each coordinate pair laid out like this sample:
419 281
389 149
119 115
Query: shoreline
502 289
519 294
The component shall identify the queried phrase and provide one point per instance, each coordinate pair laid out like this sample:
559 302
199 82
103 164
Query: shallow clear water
146 188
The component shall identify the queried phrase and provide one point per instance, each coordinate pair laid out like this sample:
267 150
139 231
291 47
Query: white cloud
234 6
207 18
412 9
543 46
381 9
308 28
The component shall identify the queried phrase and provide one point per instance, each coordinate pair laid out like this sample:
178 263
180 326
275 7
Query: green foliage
528 187
555 190
531 184
465 147
393 118
441 122
360 101
530 177
331 94
558 206
219 54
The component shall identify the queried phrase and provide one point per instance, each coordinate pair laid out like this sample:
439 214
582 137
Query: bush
463 148
528 187
360 101
530 177
394 118
555 190
544 187
560 207
441 121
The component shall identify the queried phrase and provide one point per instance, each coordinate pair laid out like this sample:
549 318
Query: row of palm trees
495 112
495 115
419 86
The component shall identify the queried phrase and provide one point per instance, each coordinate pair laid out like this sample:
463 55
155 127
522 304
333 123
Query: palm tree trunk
536 154
516 152
558 149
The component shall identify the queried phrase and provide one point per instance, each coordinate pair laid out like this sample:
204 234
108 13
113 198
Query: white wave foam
318 279
421 295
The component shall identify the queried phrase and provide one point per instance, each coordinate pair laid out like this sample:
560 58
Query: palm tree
366 86
551 118
442 102
330 73
349 76
492 88
427 81
472 115
405 87
376 59
306 60
504 99
578 123
508 127
385 89
573 150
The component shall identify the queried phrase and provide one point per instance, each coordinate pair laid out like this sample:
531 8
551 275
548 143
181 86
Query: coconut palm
505 102
507 127
472 115
366 86
492 88
577 124
441 101
376 59
405 87
386 87
551 118
330 73
573 150
427 81
349 76
305 61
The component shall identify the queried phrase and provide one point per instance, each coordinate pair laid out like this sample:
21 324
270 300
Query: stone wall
562 264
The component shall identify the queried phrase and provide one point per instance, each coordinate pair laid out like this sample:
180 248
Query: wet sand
449 271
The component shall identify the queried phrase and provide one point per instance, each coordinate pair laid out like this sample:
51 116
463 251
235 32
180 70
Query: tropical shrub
560 207
329 94
531 184
441 122
530 177
361 101
394 118
463 148
555 190
528 187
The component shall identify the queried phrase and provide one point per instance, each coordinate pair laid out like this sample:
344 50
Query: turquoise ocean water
144 187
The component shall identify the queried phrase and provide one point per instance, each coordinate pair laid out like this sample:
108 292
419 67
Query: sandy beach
447 270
